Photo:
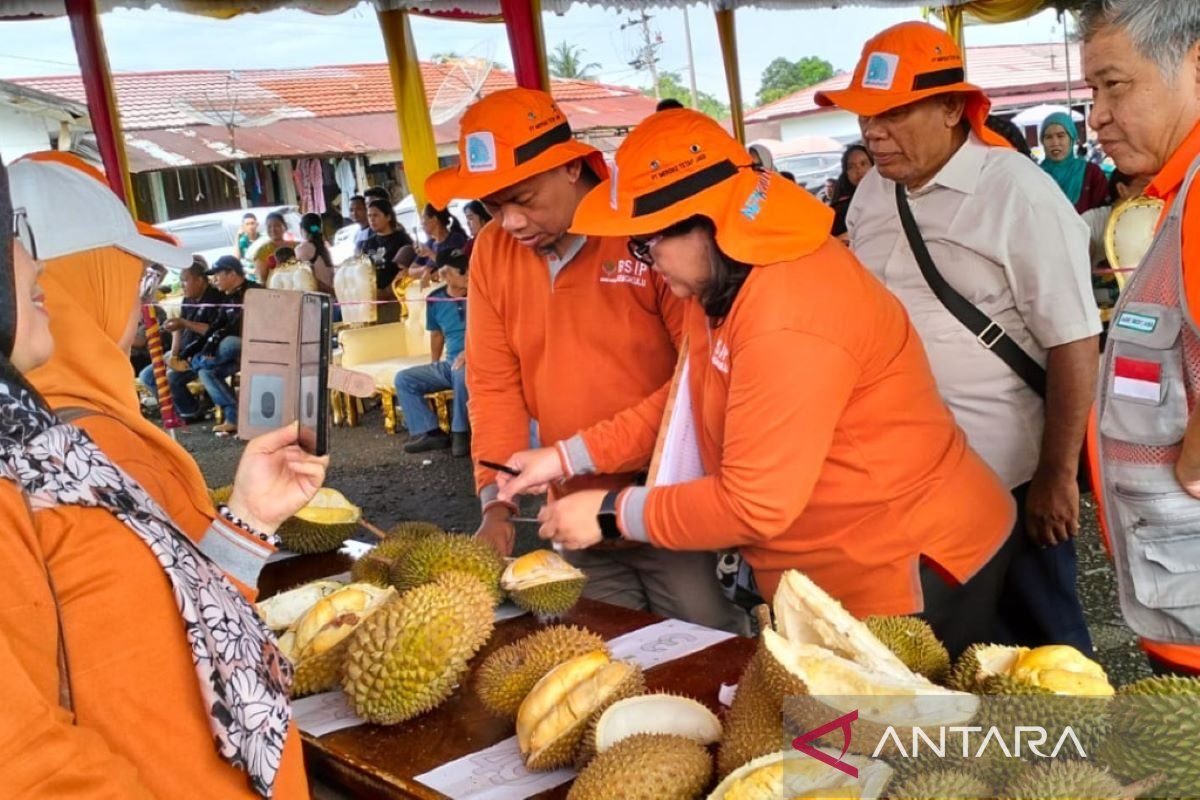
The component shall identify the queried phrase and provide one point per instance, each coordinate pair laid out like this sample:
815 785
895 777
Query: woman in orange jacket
803 426
173 686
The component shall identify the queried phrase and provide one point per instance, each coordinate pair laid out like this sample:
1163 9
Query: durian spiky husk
430 557
322 526
980 662
1063 780
408 657
318 641
478 604
506 676
1155 728
914 642
414 530
788 775
753 726
940 784
544 583
646 767
659 713
375 565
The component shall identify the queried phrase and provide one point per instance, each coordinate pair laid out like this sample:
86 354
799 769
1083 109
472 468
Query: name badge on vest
1137 379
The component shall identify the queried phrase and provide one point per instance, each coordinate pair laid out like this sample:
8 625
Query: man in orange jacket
1142 60
564 330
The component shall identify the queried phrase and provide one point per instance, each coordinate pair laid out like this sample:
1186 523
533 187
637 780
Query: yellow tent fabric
412 112
996 11
727 34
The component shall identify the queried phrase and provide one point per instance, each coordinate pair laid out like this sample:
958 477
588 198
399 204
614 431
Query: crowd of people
900 416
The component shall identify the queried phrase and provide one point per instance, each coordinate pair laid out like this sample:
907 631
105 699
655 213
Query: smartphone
285 365
312 403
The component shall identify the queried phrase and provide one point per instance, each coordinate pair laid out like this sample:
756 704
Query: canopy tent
521 18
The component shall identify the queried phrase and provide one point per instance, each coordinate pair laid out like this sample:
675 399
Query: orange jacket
44 753
568 353
825 444
1167 185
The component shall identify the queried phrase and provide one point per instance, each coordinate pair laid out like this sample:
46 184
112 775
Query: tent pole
101 102
412 108
523 23
727 33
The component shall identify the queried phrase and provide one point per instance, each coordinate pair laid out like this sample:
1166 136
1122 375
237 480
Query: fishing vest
1150 382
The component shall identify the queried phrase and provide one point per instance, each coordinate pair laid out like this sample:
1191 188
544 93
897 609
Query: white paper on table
356 549
508 611
727 693
280 555
497 773
664 641
319 714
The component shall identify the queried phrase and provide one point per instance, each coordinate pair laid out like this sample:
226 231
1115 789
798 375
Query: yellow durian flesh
334 617
1063 670
791 774
283 610
552 689
537 568
329 507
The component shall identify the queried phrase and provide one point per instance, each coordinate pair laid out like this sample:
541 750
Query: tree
566 61
783 77
670 84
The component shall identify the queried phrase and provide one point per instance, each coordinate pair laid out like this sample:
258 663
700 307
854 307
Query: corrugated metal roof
1000 70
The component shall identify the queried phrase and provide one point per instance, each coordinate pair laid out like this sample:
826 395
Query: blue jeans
213 370
415 382
185 404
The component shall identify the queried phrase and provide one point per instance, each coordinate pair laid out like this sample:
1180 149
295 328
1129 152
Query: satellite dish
461 87
237 104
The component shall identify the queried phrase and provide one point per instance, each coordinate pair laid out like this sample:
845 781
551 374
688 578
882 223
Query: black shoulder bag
987 331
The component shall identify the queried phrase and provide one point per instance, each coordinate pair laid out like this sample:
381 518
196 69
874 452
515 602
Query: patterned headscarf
242 676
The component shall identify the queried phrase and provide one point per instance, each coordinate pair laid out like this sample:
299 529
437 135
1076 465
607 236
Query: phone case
267 397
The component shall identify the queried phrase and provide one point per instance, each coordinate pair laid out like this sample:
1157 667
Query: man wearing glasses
564 330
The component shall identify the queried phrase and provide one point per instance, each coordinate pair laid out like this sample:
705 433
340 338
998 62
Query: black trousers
964 614
1040 603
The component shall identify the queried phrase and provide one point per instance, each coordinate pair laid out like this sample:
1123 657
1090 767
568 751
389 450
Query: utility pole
687 35
647 57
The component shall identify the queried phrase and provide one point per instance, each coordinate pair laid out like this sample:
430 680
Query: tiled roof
1001 70
150 100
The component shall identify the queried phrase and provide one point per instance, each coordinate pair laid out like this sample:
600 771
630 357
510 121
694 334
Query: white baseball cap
70 212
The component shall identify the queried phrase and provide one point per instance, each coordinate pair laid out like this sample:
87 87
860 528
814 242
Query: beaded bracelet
237 521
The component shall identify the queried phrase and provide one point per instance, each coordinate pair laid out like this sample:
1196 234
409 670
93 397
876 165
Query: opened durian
281 611
665 714
646 766
791 774
1064 780
375 565
557 711
914 642
544 583
943 784
506 676
408 657
1155 730
982 661
318 641
429 557
321 526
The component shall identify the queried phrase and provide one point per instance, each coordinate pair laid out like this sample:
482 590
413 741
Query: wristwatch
607 518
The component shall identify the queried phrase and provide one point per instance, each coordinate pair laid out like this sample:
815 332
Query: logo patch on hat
481 152
881 71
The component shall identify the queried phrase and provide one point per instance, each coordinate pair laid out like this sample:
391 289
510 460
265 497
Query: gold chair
381 351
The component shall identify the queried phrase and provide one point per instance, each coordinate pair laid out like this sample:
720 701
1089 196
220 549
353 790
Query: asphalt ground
373 471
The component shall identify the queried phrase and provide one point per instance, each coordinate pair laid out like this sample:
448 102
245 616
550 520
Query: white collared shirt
1005 237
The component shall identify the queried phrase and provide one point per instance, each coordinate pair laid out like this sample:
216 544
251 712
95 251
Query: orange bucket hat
504 139
679 164
906 63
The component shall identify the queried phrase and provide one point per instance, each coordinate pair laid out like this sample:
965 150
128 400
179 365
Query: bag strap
989 333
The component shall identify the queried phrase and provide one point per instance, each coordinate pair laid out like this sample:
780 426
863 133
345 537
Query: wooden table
375 761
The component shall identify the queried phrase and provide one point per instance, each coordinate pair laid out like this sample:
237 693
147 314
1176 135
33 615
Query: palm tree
566 61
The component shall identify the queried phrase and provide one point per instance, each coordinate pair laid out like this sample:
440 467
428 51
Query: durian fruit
753 725
281 611
555 715
665 714
506 676
820 686
791 774
544 583
646 766
408 657
1059 669
982 661
1155 728
221 494
914 642
944 783
318 641
375 565
427 558
321 526
474 598
414 530
1063 779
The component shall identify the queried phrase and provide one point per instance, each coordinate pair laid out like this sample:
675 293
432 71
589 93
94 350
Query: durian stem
372 529
1144 786
762 615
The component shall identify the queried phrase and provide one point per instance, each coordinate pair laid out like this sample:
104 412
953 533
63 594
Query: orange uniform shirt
44 753
568 351
825 444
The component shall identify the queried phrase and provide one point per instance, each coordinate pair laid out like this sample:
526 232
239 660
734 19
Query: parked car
812 159
407 215
215 234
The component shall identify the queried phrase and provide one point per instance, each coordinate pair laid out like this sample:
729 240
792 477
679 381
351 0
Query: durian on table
328 520
543 583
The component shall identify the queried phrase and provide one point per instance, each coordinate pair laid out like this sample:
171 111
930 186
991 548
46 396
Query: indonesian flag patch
1137 379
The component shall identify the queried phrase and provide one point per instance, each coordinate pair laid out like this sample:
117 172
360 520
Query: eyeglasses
22 232
152 278
640 250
